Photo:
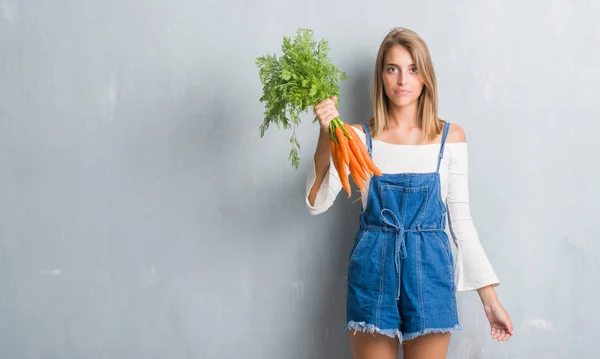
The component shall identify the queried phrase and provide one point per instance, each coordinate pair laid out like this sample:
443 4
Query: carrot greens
294 83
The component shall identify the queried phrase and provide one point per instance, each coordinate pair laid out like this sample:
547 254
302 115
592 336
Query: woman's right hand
326 111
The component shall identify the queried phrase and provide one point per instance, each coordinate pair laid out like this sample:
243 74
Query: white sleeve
473 268
330 187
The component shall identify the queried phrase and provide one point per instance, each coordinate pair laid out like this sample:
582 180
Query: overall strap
443 144
368 136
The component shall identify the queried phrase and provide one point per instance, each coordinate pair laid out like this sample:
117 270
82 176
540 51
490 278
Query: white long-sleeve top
473 269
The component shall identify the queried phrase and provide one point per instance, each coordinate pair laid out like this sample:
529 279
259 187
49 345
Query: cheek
418 86
388 82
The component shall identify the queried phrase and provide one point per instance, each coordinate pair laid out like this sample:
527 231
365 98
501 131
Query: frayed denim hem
414 335
371 328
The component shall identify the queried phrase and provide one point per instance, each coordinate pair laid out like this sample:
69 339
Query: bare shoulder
358 126
456 134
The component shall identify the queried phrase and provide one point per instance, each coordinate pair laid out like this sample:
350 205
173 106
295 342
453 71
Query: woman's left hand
500 322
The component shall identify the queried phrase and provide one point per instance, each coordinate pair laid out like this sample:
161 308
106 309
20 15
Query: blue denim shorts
404 295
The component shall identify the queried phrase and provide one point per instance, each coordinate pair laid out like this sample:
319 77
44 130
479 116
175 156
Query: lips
402 92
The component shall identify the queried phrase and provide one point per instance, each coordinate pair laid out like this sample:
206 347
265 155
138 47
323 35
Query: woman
402 279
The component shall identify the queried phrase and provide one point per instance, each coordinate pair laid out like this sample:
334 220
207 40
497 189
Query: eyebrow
392 64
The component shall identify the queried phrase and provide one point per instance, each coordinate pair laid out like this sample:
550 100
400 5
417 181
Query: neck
402 117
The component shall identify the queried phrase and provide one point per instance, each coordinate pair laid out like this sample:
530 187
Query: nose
401 78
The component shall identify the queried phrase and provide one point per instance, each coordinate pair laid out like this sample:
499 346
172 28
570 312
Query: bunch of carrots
350 155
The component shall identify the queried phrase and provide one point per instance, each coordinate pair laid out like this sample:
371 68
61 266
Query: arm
322 184
488 297
473 268
322 161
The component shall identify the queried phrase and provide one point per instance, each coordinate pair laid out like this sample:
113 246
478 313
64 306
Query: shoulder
358 126
457 152
456 134
360 132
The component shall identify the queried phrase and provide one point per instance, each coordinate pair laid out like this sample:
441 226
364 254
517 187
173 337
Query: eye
391 69
414 70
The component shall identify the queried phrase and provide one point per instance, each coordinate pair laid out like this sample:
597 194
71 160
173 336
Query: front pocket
358 244
447 253
408 203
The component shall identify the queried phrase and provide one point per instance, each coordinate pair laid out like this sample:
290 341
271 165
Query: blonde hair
427 116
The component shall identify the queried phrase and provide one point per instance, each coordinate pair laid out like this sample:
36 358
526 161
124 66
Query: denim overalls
400 274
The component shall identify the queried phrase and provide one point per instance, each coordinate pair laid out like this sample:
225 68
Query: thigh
373 346
430 346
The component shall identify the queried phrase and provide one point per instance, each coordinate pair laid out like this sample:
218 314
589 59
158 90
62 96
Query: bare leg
373 346
430 346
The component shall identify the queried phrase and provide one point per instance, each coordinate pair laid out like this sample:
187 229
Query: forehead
398 55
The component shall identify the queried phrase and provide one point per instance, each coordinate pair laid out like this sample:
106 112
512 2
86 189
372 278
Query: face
402 81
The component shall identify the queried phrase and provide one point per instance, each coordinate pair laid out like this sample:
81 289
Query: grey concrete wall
141 216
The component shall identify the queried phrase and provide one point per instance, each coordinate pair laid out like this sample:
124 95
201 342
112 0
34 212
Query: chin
404 102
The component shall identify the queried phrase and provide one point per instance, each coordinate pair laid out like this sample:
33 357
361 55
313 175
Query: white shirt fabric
473 269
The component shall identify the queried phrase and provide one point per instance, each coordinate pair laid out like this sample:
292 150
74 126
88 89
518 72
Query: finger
326 102
324 108
334 113
328 115
321 104
502 335
493 333
323 112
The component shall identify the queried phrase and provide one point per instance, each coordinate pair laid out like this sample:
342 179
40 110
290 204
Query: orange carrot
356 171
365 154
356 177
340 168
369 161
342 143
353 144
357 168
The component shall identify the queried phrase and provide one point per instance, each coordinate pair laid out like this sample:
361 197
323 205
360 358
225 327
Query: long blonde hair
427 116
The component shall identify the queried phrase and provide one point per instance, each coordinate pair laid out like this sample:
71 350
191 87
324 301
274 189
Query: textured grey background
141 216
